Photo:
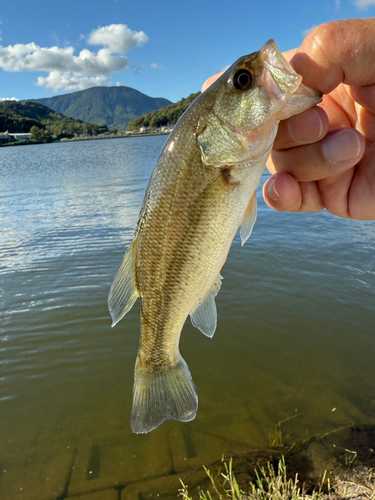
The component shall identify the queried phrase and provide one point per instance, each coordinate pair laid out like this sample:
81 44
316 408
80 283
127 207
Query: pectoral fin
249 219
123 292
204 317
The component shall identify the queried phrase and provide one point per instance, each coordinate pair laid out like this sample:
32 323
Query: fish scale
202 189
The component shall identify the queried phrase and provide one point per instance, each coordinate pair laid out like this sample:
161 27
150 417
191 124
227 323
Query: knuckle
324 33
333 38
321 39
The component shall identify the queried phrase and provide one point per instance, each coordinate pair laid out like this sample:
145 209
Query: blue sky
160 47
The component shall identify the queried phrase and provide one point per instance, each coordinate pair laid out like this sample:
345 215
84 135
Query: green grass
269 485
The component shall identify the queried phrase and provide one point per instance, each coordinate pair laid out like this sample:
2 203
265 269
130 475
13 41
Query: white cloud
8 99
117 37
155 66
363 4
307 31
31 57
67 81
69 71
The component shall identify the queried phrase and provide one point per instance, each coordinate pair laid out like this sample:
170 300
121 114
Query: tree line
45 124
164 116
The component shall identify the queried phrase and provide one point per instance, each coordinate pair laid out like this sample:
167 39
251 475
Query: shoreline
77 139
338 465
112 136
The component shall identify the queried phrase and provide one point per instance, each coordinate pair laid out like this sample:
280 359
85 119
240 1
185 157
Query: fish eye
242 79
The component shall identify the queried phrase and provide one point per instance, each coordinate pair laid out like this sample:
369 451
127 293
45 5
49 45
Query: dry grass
269 485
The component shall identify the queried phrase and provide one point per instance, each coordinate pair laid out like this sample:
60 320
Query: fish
202 189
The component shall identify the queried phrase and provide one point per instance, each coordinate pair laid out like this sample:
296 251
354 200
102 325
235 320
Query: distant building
21 135
165 129
143 130
5 137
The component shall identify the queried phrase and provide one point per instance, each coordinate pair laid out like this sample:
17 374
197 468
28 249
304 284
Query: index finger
337 52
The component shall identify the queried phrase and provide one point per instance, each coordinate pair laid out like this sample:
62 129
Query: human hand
325 156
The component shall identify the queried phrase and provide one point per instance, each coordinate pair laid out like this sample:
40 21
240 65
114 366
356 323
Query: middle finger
304 128
340 150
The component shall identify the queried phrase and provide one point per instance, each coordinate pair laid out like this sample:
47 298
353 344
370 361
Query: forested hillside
23 117
165 116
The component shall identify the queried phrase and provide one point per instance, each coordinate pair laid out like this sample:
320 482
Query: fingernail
272 191
306 126
343 145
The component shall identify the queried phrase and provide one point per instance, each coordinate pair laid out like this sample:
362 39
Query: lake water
295 334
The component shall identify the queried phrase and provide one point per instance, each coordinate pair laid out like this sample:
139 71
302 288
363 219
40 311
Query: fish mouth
282 81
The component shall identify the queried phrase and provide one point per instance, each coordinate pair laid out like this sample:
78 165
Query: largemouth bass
202 189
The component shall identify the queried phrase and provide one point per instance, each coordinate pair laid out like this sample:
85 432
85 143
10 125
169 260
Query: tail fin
162 395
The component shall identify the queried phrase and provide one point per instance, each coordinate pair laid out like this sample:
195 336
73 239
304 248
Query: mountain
168 115
22 116
111 106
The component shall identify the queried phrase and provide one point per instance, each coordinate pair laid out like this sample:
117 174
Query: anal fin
204 317
123 292
249 219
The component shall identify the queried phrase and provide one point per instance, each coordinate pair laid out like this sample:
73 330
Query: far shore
87 138
113 136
